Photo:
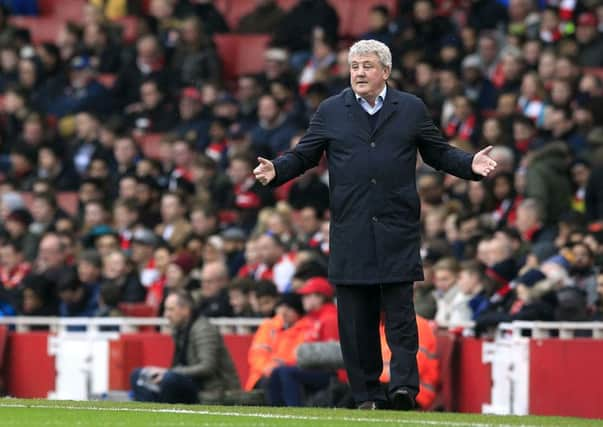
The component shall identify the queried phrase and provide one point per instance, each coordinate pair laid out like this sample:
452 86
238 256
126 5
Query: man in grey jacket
202 369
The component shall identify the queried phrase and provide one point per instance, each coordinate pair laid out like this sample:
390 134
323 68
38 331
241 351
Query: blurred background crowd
522 75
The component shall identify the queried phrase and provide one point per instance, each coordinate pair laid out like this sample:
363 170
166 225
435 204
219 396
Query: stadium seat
135 309
68 10
41 29
235 10
107 79
150 144
358 21
596 71
129 26
287 4
67 200
241 54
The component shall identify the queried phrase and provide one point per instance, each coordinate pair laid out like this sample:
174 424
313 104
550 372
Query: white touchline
260 415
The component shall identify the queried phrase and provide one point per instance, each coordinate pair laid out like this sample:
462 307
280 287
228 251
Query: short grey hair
366 47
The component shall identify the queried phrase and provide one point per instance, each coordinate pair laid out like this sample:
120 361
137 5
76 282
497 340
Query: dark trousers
286 384
173 388
359 310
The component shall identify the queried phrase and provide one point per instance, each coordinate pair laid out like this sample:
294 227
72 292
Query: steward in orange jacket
427 361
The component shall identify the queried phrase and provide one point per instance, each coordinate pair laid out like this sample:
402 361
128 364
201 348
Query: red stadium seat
107 79
150 144
235 10
3 339
65 10
68 200
358 22
241 54
596 71
41 29
287 4
134 309
129 26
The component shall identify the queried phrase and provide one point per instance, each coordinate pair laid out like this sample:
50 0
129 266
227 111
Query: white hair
366 47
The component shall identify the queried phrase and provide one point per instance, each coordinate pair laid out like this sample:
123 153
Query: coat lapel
390 106
356 115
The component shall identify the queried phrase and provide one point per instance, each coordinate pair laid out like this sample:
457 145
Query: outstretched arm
439 154
294 162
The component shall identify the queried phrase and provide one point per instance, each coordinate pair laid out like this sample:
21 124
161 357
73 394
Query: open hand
482 163
265 171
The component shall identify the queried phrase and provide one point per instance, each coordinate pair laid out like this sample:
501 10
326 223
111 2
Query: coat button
375 219
373 145
373 180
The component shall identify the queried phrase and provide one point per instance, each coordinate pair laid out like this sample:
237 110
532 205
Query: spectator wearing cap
117 270
590 41
287 382
102 238
213 295
144 242
13 267
275 263
194 123
82 92
478 89
55 168
234 248
273 128
178 277
264 18
17 224
174 227
154 113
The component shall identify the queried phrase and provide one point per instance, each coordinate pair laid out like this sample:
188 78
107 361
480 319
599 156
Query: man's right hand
265 171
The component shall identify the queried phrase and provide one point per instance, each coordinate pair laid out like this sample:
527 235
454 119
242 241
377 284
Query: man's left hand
482 163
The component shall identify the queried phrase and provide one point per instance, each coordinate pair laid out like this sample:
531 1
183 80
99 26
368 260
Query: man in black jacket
371 134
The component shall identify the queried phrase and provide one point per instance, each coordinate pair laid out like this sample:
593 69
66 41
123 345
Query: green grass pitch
42 413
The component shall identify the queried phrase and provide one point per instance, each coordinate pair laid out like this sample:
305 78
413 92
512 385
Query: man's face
170 208
176 314
50 252
444 279
8 257
367 75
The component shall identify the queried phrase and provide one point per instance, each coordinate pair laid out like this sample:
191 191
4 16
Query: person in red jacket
287 382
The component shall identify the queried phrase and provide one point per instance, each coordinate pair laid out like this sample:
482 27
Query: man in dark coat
371 134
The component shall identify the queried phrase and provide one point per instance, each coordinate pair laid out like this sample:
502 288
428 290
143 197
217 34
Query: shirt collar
380 96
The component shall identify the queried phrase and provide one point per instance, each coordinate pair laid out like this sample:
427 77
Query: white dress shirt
378 102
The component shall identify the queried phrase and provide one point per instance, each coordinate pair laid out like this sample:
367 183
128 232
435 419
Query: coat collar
390 106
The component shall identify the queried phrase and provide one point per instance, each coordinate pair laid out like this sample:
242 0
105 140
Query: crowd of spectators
523 76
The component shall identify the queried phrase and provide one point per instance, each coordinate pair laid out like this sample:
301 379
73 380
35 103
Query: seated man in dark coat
202 369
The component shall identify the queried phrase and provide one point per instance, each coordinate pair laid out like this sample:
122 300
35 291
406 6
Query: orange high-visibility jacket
262 347
427 361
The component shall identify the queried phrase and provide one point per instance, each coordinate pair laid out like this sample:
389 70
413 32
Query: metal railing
561 330
227 325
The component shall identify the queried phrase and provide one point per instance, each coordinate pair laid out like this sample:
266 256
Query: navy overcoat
375 225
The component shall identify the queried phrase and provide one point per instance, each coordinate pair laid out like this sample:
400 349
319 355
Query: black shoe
402 400
369 405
